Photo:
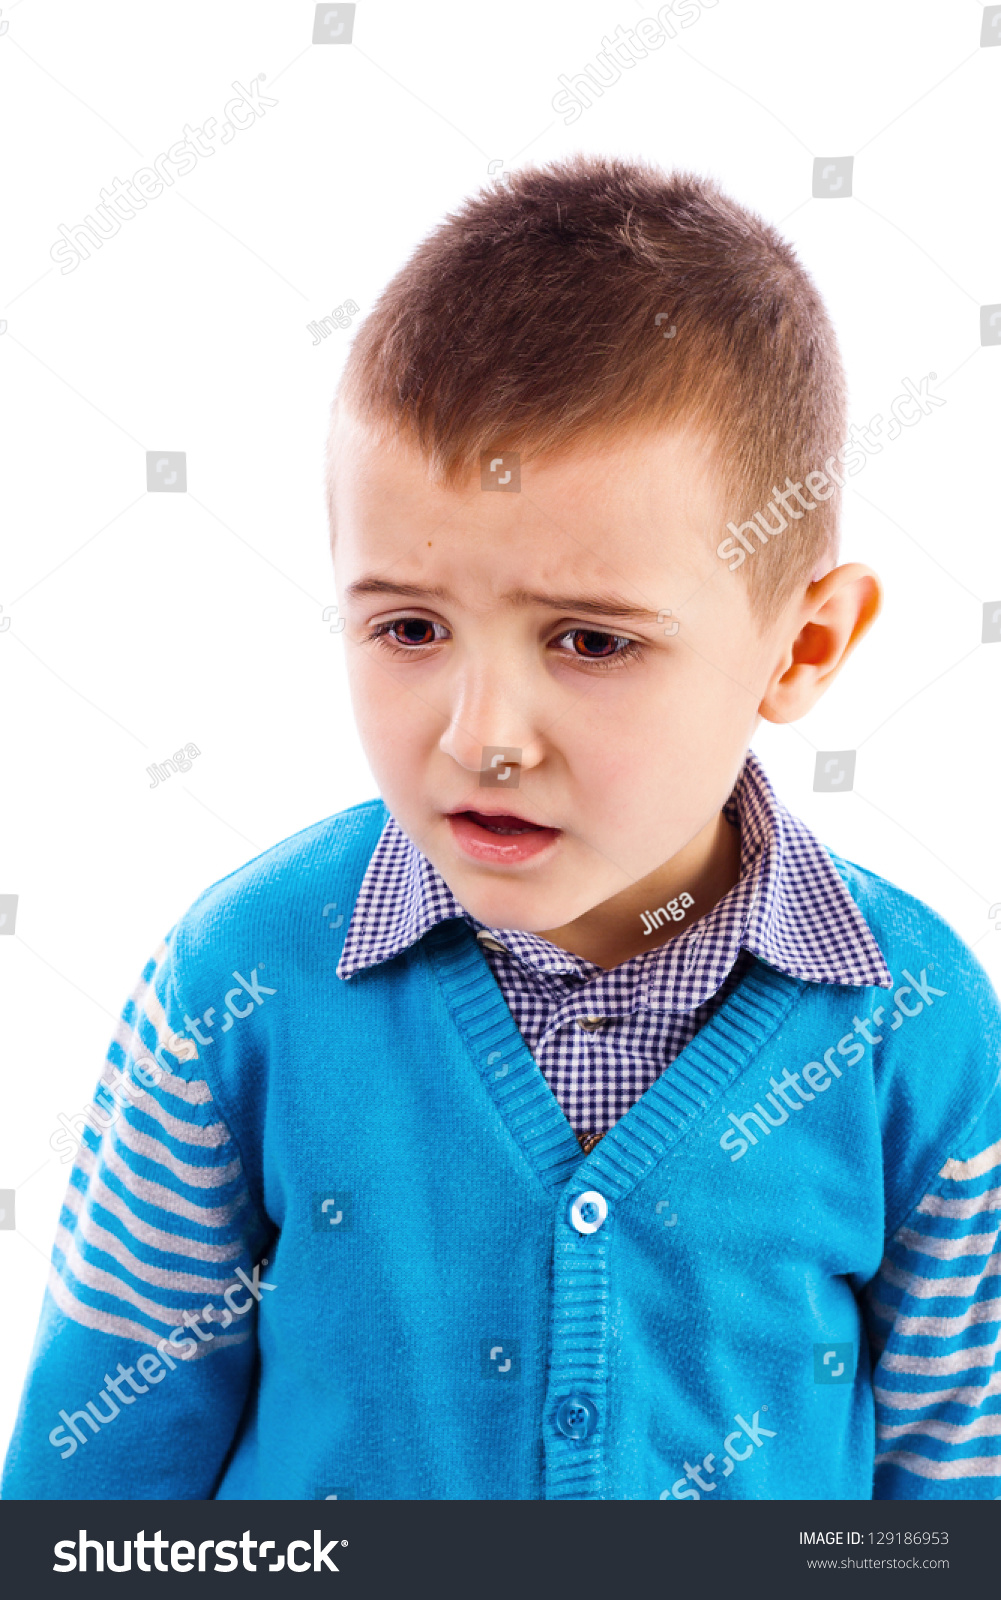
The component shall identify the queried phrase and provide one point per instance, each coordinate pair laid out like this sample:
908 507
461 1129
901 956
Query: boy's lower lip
482 843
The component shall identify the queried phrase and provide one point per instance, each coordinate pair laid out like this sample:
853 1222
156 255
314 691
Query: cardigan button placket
575 1402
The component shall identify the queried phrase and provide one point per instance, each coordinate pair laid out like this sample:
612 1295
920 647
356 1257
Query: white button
490 942
589 1211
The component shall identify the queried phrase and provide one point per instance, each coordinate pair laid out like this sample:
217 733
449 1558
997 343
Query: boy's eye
408 632
591 644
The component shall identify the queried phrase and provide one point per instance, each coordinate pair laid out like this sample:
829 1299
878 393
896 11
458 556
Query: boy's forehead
649 497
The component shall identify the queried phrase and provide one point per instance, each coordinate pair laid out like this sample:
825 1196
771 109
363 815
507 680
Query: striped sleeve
157 1239
933 1313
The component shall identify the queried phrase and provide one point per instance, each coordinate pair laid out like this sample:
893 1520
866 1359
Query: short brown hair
533 319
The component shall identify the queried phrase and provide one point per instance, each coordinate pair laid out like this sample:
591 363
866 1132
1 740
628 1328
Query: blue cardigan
361 1207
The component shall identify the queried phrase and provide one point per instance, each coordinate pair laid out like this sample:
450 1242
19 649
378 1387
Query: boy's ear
833 615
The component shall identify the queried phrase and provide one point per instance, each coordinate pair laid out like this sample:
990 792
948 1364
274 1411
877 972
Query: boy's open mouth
499 835
501 822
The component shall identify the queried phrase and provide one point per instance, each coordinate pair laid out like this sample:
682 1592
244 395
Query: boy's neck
628 924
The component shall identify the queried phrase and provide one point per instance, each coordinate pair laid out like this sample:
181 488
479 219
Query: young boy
447 1159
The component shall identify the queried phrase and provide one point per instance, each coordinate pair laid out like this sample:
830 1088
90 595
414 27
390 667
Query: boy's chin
528 906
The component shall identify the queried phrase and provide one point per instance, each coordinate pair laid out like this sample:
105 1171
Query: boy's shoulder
305 883
936 1034
907 929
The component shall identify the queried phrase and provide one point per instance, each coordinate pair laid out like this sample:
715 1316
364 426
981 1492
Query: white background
139 623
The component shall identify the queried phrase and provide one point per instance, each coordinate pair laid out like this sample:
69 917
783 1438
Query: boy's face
625 732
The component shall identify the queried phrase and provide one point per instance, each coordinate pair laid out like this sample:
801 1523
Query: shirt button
592 1024
589 1211
576 1417
490 943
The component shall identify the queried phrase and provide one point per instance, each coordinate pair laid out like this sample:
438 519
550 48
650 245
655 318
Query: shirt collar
789 908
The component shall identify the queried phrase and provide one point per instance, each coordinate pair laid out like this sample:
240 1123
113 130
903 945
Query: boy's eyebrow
599 605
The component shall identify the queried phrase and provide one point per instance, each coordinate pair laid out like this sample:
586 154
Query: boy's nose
489 735
492 759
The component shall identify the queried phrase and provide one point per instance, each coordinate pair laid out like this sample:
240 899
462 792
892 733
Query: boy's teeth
503 827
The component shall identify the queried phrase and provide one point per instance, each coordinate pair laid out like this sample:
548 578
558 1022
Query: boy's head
658 364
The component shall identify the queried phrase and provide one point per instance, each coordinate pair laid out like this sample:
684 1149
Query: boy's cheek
388 715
